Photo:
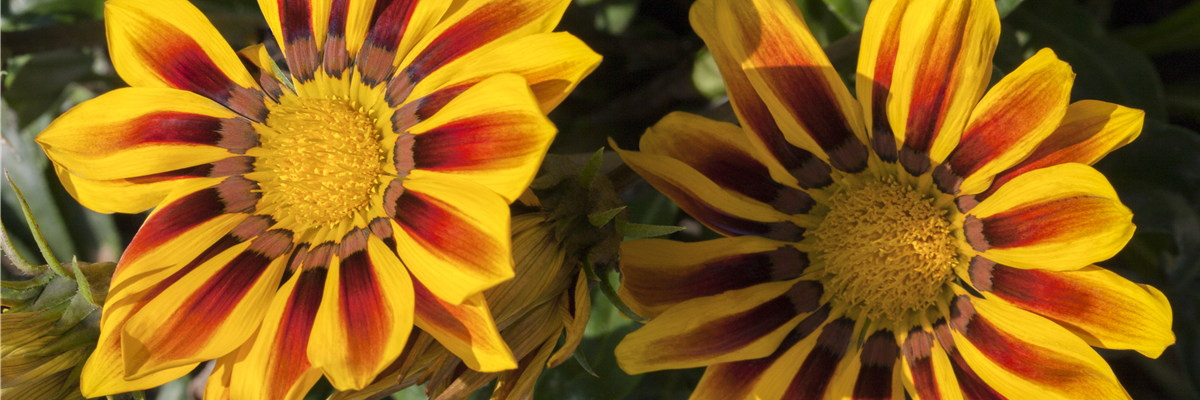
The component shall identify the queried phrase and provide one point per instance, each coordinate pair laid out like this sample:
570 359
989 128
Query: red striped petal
736 325
213 310
277 365
1090 130
782 157
469 29
877 59
1009 122
972 386
721 152
366 312
389 23
233 195
171 44
941 68
467 330
1103 308
878 358
453 235
736 380
817 371
1021 353
657 274
791 73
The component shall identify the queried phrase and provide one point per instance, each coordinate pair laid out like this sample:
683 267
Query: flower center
886 249
324 160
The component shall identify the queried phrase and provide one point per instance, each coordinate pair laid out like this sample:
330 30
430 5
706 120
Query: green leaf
1105 68
1178 32
606 287
641 231
850 12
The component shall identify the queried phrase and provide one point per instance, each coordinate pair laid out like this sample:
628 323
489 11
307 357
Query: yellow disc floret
320 161
886 249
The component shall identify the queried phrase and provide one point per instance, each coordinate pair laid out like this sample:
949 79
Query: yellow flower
304 223
926 239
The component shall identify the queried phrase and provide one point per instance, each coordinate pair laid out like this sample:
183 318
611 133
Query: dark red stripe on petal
218 169
174 219
1054 295
363 313
271 87
734 380
431 224
300 46
183 64
883 139
382 229
811 99
208 307
878 357
336 57
972 386
732 332
290 355
390 21
731 225
717 276
482 26
817 370
320 255
1014 355
476 143
165 128
742 173
1047 221
930 89
973 230
918 351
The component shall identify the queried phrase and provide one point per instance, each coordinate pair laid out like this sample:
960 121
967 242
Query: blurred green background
1139 53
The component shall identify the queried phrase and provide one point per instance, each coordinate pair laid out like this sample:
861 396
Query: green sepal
583 362
588 173
641 231
37 234
607 288
601 218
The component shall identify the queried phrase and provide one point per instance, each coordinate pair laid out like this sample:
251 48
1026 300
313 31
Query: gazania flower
304 222
927 240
